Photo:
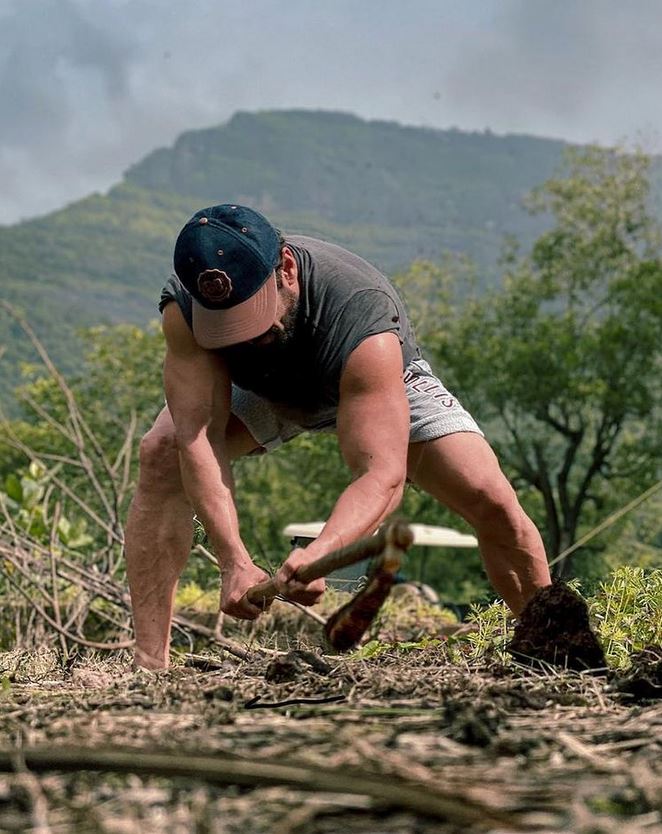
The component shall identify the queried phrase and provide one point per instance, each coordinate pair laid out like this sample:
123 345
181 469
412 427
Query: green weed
494 630
627 613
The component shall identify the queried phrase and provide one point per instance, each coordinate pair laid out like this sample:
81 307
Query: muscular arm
373 433
198 392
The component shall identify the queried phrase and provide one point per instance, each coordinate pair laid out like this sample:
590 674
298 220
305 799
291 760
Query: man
267 337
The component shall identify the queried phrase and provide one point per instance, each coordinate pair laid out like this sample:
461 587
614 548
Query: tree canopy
562 362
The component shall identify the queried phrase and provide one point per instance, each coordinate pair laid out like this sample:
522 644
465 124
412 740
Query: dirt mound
554 628
643 680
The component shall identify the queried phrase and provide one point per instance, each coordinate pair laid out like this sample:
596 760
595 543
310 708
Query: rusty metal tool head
346 626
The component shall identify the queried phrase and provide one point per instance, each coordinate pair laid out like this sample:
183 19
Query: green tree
562 363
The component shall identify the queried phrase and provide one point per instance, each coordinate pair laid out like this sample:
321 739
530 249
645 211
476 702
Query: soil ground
404 742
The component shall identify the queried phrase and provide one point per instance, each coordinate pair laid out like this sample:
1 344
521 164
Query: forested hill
399 192
389 192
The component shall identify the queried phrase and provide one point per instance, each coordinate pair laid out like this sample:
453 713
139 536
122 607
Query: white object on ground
425 535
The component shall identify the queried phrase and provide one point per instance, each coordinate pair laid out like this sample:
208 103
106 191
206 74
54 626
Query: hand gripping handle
396 533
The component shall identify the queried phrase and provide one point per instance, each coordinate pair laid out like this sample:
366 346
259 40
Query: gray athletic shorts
434 412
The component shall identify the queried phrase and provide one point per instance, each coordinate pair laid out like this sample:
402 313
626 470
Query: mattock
345 628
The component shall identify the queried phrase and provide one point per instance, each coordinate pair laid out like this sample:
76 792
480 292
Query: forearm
207 479
359 510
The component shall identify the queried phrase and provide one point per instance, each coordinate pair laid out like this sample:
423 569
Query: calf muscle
159 534
461 471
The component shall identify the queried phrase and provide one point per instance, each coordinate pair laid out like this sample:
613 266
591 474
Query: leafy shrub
25 502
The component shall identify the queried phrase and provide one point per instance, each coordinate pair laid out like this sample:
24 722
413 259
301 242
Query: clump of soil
643 680
293 665
554 628
475 724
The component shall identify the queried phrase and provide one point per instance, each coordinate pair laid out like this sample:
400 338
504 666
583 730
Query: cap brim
248 320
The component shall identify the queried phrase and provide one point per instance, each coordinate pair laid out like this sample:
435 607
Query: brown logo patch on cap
214 285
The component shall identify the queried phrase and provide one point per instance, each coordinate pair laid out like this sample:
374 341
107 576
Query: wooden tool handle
395 532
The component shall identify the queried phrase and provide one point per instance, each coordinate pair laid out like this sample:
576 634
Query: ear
290 270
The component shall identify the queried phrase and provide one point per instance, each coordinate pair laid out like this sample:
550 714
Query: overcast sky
87 87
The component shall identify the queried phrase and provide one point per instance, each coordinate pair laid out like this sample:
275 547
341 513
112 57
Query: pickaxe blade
345 628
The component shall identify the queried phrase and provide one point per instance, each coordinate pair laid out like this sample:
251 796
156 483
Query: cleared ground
401 742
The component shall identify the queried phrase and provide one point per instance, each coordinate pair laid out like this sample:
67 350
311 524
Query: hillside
439 188
391 193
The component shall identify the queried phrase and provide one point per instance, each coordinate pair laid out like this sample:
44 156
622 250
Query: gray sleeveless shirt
342 301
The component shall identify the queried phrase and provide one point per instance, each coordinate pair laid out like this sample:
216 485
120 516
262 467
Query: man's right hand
235 581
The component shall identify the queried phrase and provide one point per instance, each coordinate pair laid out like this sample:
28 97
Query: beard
274 345
284 335
276 365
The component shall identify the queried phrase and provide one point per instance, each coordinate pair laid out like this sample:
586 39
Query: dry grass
554 752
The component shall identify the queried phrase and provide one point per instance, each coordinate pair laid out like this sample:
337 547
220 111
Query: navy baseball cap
225 256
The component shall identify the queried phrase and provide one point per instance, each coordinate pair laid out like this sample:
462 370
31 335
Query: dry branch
437 803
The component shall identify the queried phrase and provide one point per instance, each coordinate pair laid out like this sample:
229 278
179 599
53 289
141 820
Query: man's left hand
290 587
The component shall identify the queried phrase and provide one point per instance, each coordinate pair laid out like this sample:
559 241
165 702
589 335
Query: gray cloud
51 70
586 71
87 87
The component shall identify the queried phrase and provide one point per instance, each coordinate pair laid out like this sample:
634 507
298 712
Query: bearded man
267 337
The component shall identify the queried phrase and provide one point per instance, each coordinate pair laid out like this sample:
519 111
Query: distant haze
87 87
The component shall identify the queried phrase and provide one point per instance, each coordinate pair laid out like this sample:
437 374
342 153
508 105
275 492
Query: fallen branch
229 645
385 792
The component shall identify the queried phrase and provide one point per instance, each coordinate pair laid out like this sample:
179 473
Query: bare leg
159 534
462 472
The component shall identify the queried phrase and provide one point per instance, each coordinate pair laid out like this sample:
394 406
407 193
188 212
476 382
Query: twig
125 455
32 788
608 522
304 610
255 703
8 441
582 751
34 458
56 598
8 518
79 424
21 568
229 645
90 512
207 554
90 644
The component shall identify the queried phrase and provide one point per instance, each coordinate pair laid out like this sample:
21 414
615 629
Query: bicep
373 412
196 382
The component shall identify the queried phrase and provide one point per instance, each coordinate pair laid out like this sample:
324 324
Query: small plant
374 648
627 611
191 597
494 630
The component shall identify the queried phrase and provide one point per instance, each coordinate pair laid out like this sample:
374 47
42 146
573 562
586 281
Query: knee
493 507
159 460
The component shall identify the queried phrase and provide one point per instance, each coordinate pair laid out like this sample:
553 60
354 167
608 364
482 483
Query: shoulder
333 258
376 358
178 335
174 291
333 277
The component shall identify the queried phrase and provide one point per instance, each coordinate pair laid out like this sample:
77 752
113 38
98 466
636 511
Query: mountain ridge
390 192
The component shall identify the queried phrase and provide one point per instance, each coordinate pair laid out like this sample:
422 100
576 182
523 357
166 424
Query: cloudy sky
89 86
